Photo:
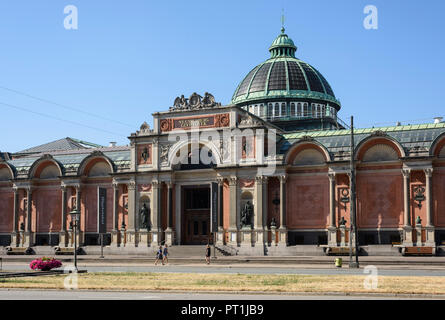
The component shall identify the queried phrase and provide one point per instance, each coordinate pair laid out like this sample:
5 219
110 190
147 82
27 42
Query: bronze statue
342 221
246 215
418 220
273 222
144 212
145 154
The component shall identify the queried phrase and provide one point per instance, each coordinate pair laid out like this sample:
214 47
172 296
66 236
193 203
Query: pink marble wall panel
308 202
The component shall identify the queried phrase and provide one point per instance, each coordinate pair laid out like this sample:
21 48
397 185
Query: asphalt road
13 294
307 270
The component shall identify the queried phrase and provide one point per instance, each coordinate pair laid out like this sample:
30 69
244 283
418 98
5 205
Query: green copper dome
284 76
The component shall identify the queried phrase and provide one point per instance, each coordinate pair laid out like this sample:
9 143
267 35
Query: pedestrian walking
159 256
165 254
208 254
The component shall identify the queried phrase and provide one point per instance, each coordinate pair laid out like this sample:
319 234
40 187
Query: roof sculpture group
195 102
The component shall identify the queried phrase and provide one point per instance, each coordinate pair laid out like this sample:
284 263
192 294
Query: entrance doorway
196 215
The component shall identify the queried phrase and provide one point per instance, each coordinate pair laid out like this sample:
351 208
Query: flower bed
45 264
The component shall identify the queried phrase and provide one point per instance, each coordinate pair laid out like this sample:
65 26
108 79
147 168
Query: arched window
283 110
277 110
269 110
262 111
305 110
256 110
292 109
323 110
312 111
298 109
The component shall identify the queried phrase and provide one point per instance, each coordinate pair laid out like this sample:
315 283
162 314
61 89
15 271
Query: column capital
169 184
156 184
63 187
233 181
132 185
261 179
283 178
220 180
428 172
331 176
406 173
155 141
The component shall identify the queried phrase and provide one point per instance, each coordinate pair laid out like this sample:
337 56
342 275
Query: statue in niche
246 215
273 223
144 214
145 154
418 220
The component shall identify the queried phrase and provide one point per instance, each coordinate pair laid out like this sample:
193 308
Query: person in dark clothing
159 256
208 254
165 254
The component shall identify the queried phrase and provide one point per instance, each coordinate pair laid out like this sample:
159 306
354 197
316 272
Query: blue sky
128 59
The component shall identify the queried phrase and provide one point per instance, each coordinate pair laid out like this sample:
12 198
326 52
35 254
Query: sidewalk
272 261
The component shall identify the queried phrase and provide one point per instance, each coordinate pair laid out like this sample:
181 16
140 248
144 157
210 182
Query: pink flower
45 263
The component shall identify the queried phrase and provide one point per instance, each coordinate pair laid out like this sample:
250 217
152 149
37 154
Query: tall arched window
283 110
269 110
323 110
292 109
277 110
298 109
262 111
256 110
305 110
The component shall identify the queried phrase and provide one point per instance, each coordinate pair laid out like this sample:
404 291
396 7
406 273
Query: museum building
276 179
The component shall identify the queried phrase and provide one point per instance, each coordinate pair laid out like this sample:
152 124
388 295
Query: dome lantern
282 46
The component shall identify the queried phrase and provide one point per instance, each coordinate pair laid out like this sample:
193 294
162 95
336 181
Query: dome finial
282 21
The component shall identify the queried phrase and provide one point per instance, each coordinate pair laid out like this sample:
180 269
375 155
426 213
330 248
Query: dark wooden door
197 227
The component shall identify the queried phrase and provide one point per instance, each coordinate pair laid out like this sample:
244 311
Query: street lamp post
353 215
75 214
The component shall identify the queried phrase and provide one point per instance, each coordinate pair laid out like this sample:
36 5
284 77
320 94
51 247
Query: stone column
265 192
132 212
169 233
28 230
155 154
156 212
429 229
220 232
258 208
15 236
63 236
233 217
115 232
332 229
282 230
407 229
